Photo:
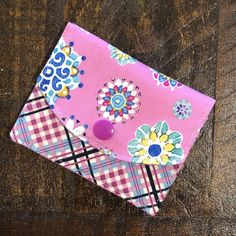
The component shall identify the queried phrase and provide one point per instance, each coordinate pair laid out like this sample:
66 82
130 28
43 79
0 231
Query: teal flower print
121 57
156 145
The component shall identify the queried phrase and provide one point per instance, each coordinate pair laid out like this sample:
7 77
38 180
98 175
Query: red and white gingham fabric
142 185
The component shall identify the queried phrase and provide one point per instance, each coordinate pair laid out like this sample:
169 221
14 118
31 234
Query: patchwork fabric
142 185
111 119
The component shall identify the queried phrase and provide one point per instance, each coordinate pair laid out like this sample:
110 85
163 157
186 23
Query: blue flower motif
61 73
182 109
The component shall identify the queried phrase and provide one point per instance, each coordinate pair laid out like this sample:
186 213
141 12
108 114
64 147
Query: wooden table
191 40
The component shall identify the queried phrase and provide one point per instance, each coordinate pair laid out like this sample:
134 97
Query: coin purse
102 114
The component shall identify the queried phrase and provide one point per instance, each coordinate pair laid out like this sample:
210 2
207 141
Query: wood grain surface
193 41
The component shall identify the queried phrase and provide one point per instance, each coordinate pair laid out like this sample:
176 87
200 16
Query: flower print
156 145
165 81
72 125
121 57
118 100
182 109
61 73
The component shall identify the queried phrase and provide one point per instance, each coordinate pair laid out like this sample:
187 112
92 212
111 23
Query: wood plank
193 41
99 225
224 162
21 40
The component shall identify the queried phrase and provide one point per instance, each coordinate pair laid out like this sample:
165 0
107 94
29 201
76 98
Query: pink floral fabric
156 119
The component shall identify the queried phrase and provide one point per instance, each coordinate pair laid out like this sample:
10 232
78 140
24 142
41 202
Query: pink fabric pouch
115 121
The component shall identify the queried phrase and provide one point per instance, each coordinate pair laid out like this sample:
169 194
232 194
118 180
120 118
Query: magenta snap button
103 129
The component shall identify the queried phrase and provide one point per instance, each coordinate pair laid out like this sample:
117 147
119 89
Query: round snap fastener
103 129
